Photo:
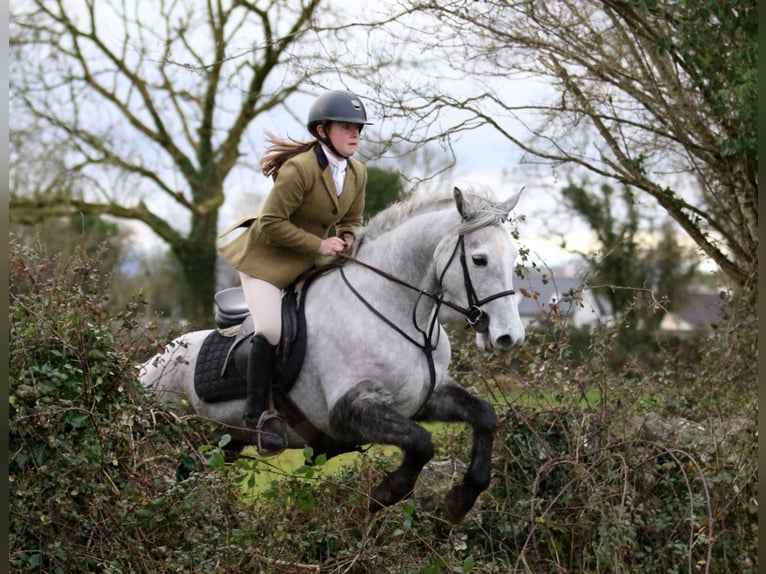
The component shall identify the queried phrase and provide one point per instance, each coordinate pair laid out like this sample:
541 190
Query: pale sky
485 159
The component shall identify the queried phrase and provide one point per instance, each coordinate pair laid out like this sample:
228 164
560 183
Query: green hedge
103 479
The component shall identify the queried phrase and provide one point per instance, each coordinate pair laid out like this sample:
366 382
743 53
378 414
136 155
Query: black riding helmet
335 106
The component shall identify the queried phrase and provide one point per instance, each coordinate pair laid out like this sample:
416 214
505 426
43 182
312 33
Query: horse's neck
407 251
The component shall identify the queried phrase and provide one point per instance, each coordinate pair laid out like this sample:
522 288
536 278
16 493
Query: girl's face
344 136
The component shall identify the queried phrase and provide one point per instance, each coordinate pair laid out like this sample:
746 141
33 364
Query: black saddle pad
221 374
210 383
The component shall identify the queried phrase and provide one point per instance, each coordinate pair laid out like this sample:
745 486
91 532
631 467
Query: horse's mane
484 212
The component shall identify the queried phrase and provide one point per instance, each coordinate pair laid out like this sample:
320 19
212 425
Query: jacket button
325 226
335 212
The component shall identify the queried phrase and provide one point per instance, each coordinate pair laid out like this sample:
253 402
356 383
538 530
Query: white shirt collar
338 165
338 170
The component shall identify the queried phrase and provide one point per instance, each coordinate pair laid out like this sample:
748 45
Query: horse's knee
359 417
452 403
359 410
486 421
419 444
348 415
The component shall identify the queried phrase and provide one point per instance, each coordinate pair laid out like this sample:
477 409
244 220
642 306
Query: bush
577 494
101 479
629 466
599 466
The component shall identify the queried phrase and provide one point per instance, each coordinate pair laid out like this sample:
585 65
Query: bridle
474 314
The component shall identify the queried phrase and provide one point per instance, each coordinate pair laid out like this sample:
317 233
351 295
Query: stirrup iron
260 428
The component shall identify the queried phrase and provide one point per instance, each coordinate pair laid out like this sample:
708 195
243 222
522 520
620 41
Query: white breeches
264 301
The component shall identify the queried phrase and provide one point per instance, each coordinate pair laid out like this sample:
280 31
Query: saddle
221 372
232 315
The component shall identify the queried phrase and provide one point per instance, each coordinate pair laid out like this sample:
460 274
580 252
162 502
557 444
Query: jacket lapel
324 167
349 184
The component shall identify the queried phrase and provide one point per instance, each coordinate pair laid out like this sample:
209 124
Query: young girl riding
318 186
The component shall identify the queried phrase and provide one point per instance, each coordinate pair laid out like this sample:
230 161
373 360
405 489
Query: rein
427 346
474 314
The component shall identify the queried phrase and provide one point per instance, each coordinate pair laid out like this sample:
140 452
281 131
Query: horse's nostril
504 342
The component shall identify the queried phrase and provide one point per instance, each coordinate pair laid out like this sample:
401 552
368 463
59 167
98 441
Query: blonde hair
279 151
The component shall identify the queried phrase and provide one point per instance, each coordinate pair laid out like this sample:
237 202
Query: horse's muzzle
504 342
500 345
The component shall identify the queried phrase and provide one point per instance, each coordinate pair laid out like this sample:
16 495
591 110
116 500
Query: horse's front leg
451 403
360 417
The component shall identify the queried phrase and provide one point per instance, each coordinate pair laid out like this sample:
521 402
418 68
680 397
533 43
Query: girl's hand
332 246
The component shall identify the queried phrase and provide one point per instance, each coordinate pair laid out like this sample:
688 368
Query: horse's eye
480 260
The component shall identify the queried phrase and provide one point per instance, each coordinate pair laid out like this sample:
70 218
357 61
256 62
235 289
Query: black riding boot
260 366
259 369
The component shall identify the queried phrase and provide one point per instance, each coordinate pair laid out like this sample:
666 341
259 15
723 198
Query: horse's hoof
458 502
383 496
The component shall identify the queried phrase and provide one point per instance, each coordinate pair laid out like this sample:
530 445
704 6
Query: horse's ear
460 203
511 202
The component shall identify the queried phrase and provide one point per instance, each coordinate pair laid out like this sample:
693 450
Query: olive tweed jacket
282 241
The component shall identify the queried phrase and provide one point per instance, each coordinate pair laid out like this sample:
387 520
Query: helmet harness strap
326 139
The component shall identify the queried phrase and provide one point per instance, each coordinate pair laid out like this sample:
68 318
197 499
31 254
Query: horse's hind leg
451 403
360 418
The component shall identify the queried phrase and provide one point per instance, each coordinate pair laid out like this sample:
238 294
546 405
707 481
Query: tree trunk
198 256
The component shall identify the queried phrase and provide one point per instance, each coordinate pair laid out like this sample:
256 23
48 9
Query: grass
287 464
265 470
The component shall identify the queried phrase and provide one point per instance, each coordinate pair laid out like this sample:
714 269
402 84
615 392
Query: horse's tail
169 374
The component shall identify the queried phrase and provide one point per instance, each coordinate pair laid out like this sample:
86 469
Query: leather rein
474 314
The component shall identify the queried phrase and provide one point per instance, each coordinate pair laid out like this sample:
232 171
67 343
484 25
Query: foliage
101 240
102 479
606 466
626 269
575 496
659 95
715 42
384 187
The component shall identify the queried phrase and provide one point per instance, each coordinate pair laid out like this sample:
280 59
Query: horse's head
475 267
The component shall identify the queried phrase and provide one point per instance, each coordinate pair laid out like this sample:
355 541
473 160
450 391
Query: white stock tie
339 176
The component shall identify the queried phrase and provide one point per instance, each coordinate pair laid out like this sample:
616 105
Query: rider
317 185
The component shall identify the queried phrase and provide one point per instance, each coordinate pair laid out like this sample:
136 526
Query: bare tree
144 110
659 96
148 106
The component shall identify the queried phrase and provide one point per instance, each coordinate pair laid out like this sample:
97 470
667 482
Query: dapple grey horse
376 358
